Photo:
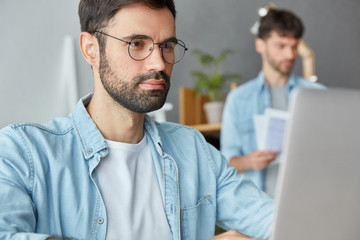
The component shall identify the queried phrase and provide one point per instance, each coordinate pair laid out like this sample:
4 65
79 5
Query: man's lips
153 84
288 64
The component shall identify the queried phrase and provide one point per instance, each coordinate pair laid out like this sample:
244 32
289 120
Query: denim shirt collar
92 141
262 85
152 130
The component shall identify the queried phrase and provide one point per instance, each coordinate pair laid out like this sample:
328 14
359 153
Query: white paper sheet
270 129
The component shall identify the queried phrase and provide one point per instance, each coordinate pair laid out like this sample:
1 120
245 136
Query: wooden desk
211 132
191 113
208 129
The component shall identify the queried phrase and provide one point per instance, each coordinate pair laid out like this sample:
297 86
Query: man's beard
129 94
277 65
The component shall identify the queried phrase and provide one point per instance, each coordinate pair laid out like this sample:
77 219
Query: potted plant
211 81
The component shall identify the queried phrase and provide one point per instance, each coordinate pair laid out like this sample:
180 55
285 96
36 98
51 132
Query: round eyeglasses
141 46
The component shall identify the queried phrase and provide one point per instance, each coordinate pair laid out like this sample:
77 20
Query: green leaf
204 58
223 55
210 81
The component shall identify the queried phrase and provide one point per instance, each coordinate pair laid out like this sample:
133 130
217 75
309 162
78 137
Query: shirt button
89 151
100 220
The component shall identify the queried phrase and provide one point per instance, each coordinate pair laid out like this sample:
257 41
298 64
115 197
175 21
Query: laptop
318 188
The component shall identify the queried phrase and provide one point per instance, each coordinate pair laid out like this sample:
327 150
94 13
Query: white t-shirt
279 100
131 193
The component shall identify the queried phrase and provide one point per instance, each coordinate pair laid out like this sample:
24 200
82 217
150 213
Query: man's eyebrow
171 39
129 37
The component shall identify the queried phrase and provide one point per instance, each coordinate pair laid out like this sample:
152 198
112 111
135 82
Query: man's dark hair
281 21
96 14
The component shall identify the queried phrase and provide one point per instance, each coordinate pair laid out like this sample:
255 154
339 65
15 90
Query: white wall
32 42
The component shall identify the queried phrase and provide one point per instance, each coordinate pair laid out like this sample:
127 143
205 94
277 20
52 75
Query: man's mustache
153 75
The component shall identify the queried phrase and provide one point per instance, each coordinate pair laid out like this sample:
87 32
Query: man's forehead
138 15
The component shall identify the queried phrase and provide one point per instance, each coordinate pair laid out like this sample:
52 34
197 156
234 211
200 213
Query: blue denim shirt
49 185
237 136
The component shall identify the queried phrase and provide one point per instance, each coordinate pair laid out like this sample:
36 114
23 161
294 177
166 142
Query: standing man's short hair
283 22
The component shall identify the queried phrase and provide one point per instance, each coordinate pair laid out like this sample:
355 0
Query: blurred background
42 72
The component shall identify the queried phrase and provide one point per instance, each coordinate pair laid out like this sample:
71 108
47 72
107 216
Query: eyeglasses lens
142 46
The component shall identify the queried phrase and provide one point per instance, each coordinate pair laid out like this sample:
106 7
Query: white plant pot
214 111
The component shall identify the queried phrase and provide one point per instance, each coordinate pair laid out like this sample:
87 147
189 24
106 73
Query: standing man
279 35
107 171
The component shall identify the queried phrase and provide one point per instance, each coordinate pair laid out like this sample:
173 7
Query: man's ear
89 47
260 45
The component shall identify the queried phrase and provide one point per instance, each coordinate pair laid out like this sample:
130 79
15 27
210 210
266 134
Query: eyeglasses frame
180 42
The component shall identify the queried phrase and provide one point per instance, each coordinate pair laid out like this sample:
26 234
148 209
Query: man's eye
137 44
168 45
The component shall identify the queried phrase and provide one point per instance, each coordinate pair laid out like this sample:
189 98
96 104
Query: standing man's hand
231 235
308 60
260 159
256 160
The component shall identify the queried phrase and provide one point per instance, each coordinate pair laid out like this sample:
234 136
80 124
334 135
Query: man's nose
291 53
155 62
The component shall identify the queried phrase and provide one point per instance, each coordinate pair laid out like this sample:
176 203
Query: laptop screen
318 189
